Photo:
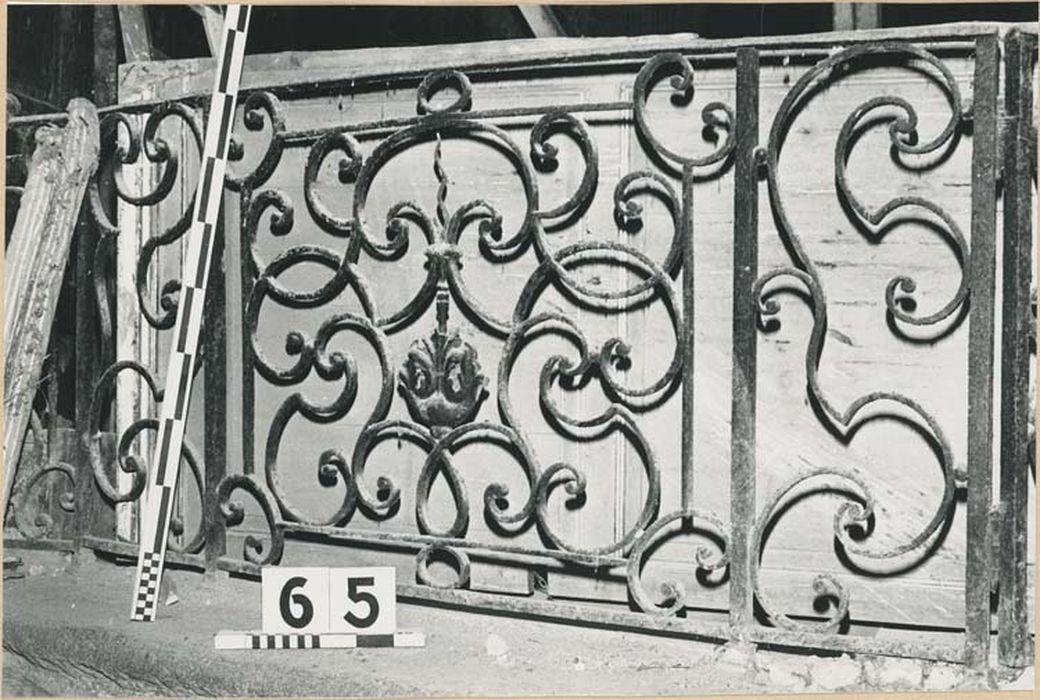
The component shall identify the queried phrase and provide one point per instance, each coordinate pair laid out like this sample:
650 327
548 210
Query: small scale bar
264 641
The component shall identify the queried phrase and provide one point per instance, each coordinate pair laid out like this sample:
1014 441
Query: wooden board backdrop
861 354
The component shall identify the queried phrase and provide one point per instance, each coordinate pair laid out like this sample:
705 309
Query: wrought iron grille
452 394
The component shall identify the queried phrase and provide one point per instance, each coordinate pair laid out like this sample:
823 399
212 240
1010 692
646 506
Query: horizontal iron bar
129 549
44 544
564 612
307 136
601 616
237 566
930 651
514 552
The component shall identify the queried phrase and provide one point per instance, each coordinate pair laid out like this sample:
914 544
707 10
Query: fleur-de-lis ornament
441 379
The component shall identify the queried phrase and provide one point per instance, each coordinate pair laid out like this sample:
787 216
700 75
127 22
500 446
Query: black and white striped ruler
155 519
261 640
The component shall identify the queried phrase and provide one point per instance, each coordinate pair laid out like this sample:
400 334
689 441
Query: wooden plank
62 164
542 21
861 353
94 351
106 58
179 78
134 337
856 15
137 39
189 77
212 25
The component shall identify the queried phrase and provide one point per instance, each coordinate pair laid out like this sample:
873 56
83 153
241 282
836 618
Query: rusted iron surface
984 166
745 342
214 360
1017 403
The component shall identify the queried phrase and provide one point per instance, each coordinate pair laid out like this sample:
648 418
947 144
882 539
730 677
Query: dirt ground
67 632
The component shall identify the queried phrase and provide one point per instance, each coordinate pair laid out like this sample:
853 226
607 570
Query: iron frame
1002 172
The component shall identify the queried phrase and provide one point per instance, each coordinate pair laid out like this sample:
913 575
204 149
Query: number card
363 600
295 599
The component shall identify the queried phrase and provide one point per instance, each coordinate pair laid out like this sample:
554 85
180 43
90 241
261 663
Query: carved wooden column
62 164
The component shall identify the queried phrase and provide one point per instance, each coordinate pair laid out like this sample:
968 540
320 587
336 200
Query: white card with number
295 599
363 600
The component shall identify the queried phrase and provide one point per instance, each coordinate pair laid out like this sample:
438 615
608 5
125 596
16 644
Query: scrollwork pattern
259 109
536 212
127 460
861 506
673 592
440 377
233 512
902 133
125 144
715 115
120 153
30 521
34 525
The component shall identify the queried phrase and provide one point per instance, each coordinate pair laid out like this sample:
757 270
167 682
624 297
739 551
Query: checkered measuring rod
155 520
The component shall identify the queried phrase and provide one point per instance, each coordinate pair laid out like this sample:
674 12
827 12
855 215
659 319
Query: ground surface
66 632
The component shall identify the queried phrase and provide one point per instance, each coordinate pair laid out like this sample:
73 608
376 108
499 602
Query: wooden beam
62 164
137 39
135 338
106 57
856 15
212 25
184 77
542 21
190 77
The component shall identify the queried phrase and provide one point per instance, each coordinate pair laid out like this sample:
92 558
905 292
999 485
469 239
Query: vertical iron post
216 395
87 334
982 271
687 339
745 339
246 282
1019 148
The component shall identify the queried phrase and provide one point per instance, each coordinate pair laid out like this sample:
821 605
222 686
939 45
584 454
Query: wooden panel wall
862 352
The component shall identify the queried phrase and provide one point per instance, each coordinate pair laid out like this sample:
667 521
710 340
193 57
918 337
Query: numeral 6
295 600
306 607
